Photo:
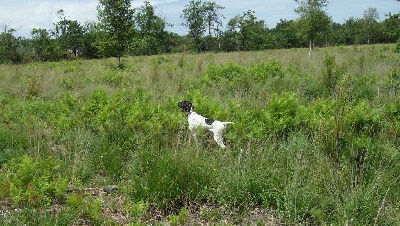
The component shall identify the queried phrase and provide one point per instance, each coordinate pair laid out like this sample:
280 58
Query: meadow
315 139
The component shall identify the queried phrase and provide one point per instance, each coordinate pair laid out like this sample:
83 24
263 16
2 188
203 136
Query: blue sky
24 15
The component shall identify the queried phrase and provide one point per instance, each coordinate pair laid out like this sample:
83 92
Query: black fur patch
186 106
209 121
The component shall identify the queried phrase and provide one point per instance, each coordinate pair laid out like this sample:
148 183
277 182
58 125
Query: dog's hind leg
219 139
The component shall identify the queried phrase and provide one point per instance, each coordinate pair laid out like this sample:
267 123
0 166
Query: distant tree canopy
122 29
116 18
69 34
200 17
313 19
246 32
152 37
8 47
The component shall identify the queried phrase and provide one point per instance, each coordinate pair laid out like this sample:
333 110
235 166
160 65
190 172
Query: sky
24 15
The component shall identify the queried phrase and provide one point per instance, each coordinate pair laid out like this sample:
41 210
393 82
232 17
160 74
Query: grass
315 140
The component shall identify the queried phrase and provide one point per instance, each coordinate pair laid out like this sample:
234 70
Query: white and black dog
197 121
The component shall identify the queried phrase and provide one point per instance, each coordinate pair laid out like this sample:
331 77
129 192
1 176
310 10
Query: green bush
363 87
394 80
282 115
33 182
310 157
66 113
85 207
364 119
267 69
237 78
169 180
223 73
397 48
330 74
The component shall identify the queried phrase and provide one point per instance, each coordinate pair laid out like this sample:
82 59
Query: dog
197 121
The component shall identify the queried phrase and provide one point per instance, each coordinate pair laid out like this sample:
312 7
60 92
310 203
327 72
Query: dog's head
186 106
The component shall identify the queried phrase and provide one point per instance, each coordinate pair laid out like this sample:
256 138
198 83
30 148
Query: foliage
33 182
282 114
44 48
179 219
199 17
116 19
9 47
153 37
397 49
391 28
85 207
314 19
314 141
69 34
245 32
141 31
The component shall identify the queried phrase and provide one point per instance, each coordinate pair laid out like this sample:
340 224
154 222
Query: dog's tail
226 123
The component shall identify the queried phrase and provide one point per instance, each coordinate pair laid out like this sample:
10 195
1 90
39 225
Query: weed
33 182
179 219
397 48
330 77
315 140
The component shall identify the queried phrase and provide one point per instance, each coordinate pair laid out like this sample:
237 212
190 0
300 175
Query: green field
316 140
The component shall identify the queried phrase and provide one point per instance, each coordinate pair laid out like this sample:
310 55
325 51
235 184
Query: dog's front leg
195 138
194 135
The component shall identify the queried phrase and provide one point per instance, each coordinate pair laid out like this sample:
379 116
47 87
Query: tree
212 17
69 34
92 32
286 34
391 28
254 31
116 20
213 20
194 16
246 32
350 32
313 18
43 46
9 46
370 22
199 17
151 29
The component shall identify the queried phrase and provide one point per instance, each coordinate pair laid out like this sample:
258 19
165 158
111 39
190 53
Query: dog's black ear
186 106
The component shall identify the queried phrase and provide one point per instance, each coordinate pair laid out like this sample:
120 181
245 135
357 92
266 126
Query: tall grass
315 140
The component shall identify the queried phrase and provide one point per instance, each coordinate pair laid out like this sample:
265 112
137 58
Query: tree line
122 29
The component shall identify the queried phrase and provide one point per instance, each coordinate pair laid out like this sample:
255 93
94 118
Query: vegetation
315 140
123 30
116 20
314 19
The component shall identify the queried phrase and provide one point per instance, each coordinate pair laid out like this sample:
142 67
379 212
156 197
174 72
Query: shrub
66 113
29 181
330 75
397 48
168 181
267 69
364 87
363 119
394 82
223 73
282 114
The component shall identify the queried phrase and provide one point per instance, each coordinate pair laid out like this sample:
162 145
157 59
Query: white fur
197 122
